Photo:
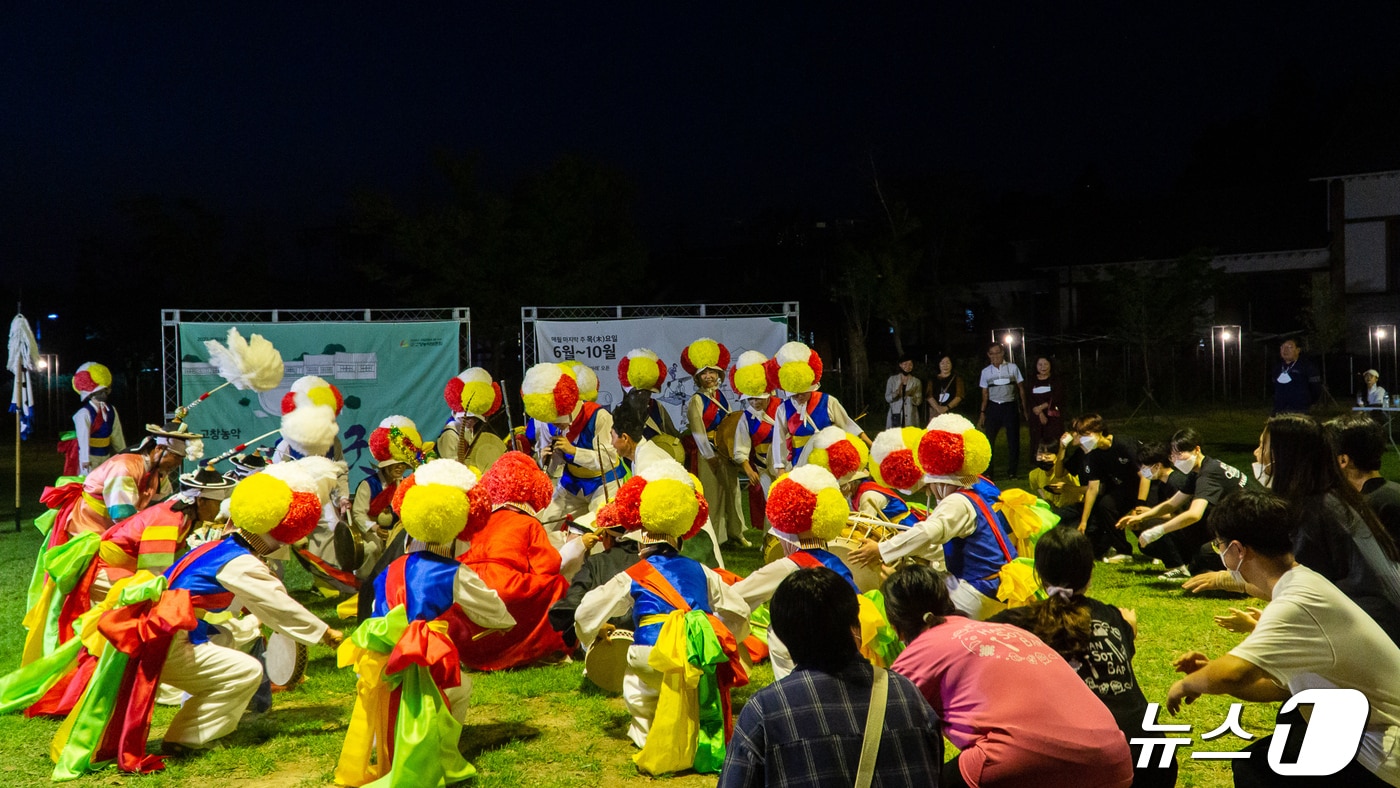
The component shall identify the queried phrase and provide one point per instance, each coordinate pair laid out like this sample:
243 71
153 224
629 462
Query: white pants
220 682
641 686
778 655
972 603
565 503
459 698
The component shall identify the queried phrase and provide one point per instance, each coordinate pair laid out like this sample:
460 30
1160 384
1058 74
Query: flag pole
19 425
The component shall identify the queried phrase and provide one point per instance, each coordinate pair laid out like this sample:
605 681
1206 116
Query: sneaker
1115 557
741 540
1179 573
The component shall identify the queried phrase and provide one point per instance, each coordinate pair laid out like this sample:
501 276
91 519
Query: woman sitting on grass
1018 713
1096 639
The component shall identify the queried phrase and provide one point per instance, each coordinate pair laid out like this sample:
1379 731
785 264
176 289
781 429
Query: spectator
1046 401
1360 445
1030 721
1114 485
946 391
1296 381
1310 635
1208 481
1052 480
903 392
1003 404
807 729
1335 534
1094 638
1371 394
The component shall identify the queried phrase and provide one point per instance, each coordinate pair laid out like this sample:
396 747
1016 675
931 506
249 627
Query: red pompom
303 513
478 514
339 400
379 443
453 394
816 362
628 503
289 403
622 371
685 361
790 507
700 518
607 516
660 372
899 470
565 395
83 381
941 453
405 485
514 478
496 401
842 458
770 371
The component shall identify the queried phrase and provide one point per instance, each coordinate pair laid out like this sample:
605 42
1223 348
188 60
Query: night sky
283 109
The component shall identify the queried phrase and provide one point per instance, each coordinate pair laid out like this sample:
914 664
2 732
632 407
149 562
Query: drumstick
485 632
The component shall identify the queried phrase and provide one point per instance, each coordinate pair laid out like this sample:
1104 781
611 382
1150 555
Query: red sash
805 560
381 501
797 419
581 420
991 521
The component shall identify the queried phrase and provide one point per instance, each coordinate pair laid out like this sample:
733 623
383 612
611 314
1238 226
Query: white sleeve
607 601
695 420
759 586
872 504
359 508
1016 373
777 447
985 380
840 418
82 427
728 606
256 588
571 557
743 443
481 604
954 516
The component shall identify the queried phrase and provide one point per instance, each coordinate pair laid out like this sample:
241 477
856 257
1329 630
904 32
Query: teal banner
382 369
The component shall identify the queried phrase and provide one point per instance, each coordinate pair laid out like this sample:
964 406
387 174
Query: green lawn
547 726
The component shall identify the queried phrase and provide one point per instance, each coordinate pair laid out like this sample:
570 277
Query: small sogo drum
349 546
606 662
286 662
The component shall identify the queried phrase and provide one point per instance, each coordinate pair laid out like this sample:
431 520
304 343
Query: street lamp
1380 343
1013 339
1226 341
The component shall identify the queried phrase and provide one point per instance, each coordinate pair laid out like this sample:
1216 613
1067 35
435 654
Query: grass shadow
477 739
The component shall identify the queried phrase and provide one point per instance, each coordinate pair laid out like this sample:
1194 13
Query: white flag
24 358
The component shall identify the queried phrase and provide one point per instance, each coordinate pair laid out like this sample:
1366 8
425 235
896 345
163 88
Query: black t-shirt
1108 667
1384 499
1215 480
1115 465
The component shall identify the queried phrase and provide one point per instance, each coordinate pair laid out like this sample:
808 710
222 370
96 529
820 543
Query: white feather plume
311 430
247 364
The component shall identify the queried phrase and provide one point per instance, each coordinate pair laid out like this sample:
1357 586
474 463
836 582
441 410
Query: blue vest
896 509
583 485
799 435
200 577
430 582
686 575
100 430
977 559
833 563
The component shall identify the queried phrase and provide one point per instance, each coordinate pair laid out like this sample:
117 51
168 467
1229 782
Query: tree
1325 316
1162 308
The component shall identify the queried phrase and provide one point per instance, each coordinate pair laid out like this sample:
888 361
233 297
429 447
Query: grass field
547 726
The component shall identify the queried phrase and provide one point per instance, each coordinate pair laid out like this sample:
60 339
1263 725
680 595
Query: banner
601 344
382 369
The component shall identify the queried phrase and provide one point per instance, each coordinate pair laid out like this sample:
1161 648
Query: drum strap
991 521
874 726
647 577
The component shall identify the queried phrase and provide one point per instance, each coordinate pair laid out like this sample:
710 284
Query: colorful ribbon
365 755
692 715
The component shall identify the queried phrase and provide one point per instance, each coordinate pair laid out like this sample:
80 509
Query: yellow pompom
322 396
668 507
977 453
861 449
699 488
704 353
434 513
796 377
100 374
540 406
819 457
259 503
478 397
751 380
911 437
829 516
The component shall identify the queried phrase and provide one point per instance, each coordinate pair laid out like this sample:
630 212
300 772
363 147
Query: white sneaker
1179 573
1115 557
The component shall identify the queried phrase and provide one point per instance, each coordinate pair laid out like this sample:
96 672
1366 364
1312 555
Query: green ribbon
95 707
44 523
887 643
759 622
65 566
704 652
22 688
381 633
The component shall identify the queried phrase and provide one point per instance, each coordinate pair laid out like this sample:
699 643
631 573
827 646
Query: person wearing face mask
1296 381
1310 635
1336 534
1113 484
1054 481
1208 481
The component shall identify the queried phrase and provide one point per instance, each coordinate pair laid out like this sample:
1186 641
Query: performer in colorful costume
806 507
97 428
473 397
757 429
895 473
689 624
976 538
807 411
412 694
160 632
642 370
706 360
574 448
513 557
394 444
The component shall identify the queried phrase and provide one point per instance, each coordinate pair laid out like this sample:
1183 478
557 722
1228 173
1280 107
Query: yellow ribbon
97 505
1019 508
870 624
368 734
674 731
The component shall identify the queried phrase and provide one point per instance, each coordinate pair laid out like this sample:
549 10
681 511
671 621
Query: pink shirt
1017 711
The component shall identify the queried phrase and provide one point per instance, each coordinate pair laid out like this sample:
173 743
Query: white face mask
1088 442
1234 573
1261 473
1185 464
1145 473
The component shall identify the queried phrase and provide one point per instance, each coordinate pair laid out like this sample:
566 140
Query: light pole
1012 338
1223 339
1380 342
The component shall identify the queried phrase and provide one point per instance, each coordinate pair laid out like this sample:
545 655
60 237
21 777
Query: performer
167 639
96 426
757 428
620 551
705 360
807 507
976 539
875 497
513 557
473 397
674 601
807 411
407 655
642 370
371 511
576 451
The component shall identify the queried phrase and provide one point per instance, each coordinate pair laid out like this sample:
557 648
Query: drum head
867 577
606 662
772 549
349 547
286 662
487 449
671 445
